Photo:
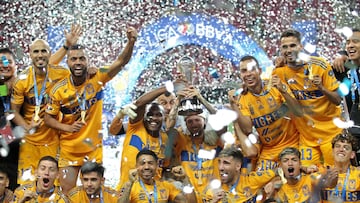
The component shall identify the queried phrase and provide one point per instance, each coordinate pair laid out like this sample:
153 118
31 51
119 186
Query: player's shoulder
23 75
60 84
111 191
75 191
58 67
319 61
25 186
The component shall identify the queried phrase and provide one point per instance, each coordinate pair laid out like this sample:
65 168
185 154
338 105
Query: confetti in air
253 138
215 184
18 132
27 175
207 154
161 45
228 138
88 141
304 57
310 48
343 124
222 118
188 189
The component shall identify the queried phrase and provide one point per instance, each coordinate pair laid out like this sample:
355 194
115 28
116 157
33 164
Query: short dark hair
247 58
270 200
6 50
152 105
289 150
345 138
146 152
232 151
90 166
49 158
353 30
4 170
291 33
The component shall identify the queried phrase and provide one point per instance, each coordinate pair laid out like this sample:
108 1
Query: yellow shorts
78 159
316 155
29 156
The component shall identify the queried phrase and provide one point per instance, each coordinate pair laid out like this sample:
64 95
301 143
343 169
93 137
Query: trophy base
189 107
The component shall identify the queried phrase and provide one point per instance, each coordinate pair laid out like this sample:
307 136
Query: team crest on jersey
271 102
306 190
247 192
251 109
352 184
163 194
296 194
331 73
49 108
307 83
142 196
90 89
260 105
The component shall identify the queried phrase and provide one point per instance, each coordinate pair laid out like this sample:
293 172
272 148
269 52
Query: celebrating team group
289 145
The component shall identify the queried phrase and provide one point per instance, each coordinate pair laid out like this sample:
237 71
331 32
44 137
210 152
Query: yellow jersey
24 94
136 139
165 192
55 196
187 153
272 120
78 194
317 125
347 189
69 100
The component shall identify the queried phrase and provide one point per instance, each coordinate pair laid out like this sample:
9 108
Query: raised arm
191 91
125 55
180 175
333 96
71 38
249 149
146 99
293 103
243 121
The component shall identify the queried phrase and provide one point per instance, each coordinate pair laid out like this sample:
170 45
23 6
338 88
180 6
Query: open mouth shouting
291 171
46 182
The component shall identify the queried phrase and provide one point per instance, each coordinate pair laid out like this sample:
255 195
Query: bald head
37 42
40 53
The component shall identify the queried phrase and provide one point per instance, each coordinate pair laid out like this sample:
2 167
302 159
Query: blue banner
171 31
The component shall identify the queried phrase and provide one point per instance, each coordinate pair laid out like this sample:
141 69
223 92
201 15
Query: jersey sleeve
243 107
17 95
173 191
53 107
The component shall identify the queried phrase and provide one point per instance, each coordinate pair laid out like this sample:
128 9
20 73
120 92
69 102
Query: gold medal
311 76
83 114
199 174
37 112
